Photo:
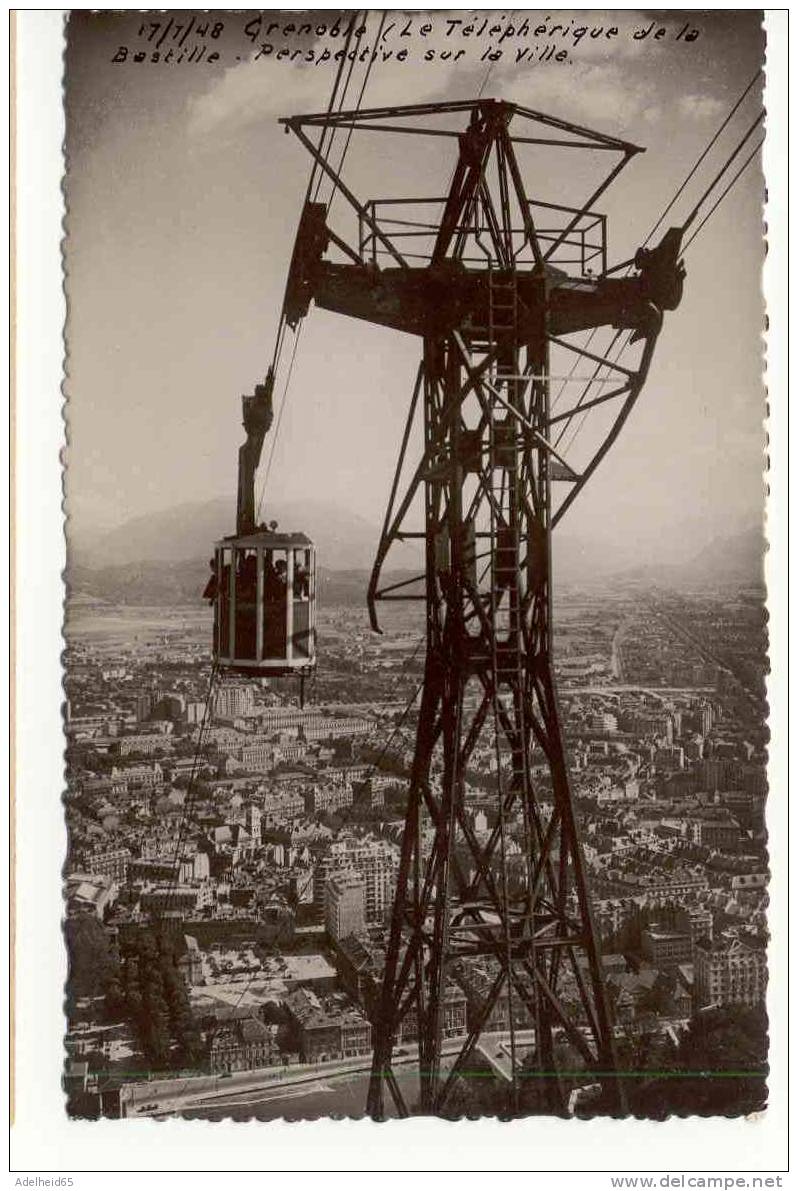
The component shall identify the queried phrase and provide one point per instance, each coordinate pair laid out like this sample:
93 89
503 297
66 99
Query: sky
183 194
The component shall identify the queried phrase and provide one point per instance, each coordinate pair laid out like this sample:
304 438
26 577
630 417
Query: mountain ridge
164 557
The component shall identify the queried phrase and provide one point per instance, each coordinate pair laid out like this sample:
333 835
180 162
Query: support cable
363 86
699 160
326 129
679 191
280 413
687 223
685 226
721 172
723 194
367 743
335 101
188 805
341 103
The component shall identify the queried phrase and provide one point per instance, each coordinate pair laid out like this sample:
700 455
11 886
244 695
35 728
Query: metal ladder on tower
504 596
504 433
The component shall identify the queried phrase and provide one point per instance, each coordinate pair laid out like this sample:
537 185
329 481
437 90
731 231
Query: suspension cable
336 101
690 219
659 221
327 130
699 160
721 172
280 413
341 104
724 192
369 741
190 789
351 129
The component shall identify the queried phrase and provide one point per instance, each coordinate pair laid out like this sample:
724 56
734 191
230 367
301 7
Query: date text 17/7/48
173 42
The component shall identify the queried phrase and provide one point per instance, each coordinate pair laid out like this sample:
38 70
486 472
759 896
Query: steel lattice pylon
504 912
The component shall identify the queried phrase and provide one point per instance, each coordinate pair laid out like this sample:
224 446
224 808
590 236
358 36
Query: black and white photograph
416 642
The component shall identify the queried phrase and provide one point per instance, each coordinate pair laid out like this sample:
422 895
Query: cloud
700 107
251 90
262 86
604 81
602 94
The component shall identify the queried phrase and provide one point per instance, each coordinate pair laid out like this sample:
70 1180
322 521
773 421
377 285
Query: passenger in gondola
248 578
301 582
275 589
271 582
246 593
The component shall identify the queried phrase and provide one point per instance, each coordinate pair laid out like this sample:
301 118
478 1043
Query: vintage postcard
416 633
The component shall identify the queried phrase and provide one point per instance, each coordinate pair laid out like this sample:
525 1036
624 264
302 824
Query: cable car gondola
264 622
263 582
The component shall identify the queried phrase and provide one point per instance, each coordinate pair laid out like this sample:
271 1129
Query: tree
718 1069
93 963
157 1000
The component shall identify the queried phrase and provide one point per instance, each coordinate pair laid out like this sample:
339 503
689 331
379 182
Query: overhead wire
280 412
337 101
275 437
569 425
340 106
723 194
688 221
622 348
351 129
190 799
702 157
327 130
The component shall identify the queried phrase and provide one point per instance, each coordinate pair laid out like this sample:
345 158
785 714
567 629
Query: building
327 798
664 948
630 993
730 972
190 962
668 758
122 777
176 898
233 701
677 885
477 978
377 862
359 965
455 1016
326 1027
109 723
113 863
252 822
258 758
747 808
722 834
242 1046
145 743
698 921
345 904
604 722
89 893
281 806
195 712
325 728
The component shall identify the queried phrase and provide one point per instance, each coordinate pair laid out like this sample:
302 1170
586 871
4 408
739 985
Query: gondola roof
266 537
